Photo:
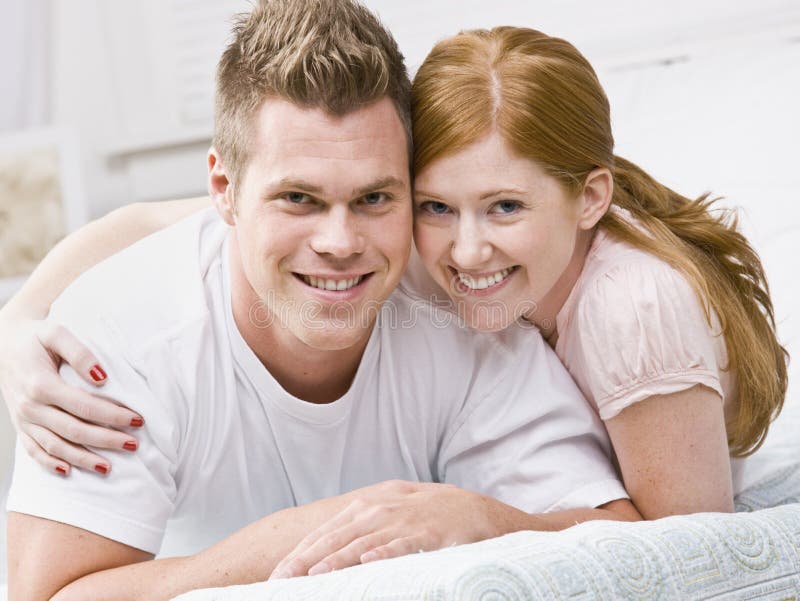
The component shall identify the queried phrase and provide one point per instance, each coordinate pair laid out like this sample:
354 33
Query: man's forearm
251 554
245 557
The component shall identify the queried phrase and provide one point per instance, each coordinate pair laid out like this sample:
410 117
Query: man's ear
596 197
219 187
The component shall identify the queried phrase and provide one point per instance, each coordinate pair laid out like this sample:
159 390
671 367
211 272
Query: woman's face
495 231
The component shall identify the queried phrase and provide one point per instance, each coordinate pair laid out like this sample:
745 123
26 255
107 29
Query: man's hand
392 519
54 419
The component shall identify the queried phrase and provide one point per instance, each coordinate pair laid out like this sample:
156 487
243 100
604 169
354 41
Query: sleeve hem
591 495
92 519
668 383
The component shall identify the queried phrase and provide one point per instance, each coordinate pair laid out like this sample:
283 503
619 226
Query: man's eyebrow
291 183
380 184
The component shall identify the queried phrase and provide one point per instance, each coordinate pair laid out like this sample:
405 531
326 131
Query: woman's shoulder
635 326
611 256
621 280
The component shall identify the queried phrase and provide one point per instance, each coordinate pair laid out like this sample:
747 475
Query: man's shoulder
150 287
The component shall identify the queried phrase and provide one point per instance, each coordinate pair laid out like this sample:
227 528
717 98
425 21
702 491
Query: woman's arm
88 246
41 406
673 453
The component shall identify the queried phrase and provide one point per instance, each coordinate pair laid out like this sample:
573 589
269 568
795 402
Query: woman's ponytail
702 241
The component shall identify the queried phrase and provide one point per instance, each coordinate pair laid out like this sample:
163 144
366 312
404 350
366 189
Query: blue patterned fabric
753 554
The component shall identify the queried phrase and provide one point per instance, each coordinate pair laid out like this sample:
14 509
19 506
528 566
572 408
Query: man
272 380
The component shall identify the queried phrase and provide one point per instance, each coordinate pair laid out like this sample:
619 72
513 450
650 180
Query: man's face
323 219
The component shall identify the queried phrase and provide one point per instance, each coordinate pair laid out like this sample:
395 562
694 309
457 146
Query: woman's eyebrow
501 191
484 196
419 192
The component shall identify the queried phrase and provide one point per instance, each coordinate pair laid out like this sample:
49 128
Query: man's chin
334 338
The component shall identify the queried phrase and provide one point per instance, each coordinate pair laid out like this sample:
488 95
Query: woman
659 309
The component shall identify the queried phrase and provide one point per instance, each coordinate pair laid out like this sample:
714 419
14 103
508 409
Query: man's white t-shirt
224 445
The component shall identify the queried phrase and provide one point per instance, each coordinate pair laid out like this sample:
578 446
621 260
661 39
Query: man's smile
333 282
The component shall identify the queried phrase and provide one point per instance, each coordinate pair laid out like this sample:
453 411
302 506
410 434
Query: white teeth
483 282
334 285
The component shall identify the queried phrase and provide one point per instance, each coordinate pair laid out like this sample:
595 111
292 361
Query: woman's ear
596 197
219 188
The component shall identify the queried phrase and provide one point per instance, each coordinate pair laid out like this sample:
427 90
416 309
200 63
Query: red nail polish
97 373
61 470
137 422
130 445
103 469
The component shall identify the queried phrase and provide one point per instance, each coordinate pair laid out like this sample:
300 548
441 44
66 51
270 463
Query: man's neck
313 375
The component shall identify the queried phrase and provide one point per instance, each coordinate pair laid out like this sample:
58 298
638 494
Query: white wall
24 30
136 79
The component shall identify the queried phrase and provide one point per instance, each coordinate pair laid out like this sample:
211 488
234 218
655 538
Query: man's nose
337 234
471 248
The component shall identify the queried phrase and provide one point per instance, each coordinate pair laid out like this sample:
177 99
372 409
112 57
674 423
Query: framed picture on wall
40 200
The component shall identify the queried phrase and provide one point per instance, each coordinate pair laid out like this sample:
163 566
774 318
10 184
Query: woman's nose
470 248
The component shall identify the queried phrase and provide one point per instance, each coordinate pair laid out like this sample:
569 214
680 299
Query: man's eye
434 207
297 198
506 207
374 198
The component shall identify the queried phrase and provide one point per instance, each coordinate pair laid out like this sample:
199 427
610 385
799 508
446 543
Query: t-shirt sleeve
642 331
132 503
532 441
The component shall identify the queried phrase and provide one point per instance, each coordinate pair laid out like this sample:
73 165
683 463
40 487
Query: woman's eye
434 207
506 207
375 198
297 198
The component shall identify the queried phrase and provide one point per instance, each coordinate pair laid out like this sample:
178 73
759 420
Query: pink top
633 327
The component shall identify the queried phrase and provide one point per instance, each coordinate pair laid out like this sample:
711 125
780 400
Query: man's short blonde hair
328 54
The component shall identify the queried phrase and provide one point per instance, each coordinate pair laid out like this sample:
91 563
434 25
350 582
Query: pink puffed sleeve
641 331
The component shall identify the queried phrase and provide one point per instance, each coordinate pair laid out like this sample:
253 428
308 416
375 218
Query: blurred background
109 102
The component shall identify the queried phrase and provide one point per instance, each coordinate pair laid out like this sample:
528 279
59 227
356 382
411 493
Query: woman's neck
550 305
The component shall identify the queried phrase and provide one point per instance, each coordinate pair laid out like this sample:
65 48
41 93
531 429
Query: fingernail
130 445
277 575
320 568
61 470
368 556
137 422
97 373
103 469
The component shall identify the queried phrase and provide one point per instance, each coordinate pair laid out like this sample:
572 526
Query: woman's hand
54 419
392 519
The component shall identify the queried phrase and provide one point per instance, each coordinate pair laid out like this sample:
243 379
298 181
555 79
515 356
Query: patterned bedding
753 554
739 556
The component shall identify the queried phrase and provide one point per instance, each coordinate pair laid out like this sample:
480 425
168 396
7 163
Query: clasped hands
391 519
